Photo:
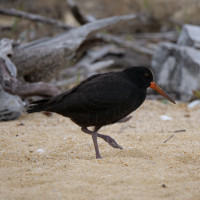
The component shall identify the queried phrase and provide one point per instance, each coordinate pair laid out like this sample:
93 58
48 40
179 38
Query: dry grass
146 168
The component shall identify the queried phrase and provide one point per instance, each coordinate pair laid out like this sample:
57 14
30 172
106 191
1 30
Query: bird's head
143 77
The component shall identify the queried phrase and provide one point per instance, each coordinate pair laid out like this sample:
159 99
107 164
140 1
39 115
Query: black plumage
101 100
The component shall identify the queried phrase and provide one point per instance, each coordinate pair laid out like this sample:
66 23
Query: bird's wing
65 94
99 93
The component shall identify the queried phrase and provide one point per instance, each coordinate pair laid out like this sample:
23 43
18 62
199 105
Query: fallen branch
82 20
110 38
34 17
13 86
94 60
41 59
100 60
128 45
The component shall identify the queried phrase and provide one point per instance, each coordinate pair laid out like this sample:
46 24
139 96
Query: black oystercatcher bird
102 99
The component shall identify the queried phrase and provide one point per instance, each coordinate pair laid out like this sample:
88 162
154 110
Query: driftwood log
40 60
11 106
13 86
8 76
135 48
141 53
131 52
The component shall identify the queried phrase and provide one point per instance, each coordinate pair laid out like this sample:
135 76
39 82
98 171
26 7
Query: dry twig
34 17
168 138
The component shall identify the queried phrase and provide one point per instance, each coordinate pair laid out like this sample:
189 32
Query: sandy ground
147 168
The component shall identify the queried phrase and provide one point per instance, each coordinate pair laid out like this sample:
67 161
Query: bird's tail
37 106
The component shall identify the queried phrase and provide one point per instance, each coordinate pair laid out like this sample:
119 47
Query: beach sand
64 167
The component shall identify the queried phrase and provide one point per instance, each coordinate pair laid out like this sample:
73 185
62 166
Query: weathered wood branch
13 86
11 106
128 45
82 20
108 37
41 59
34 17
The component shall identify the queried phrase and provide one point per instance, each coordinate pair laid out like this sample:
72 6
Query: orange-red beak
155 87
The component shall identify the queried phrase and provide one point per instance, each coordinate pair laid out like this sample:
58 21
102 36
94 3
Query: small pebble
165 117
40 151
193 103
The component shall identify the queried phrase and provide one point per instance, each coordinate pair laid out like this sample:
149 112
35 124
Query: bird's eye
146 75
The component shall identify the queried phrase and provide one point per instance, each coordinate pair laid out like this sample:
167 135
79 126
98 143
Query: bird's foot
98 157
111 141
